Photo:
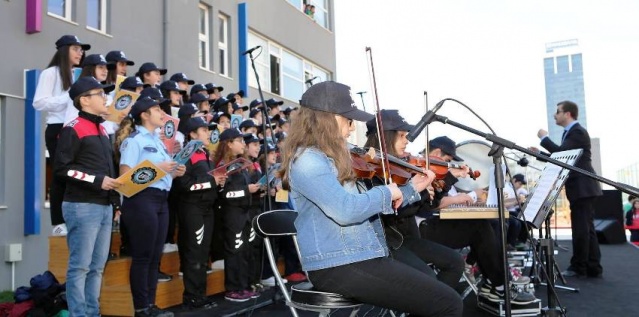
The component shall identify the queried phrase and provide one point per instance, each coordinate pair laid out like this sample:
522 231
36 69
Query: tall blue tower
564 76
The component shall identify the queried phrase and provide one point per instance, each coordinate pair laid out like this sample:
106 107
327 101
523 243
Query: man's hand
542 133
109 183
534 149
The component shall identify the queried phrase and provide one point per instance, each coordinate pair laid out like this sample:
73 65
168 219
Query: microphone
251 50
310 81
360 93
523 162
426 120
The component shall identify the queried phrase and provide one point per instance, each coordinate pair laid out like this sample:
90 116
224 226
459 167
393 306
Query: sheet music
548 187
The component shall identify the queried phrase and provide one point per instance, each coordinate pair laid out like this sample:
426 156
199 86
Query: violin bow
378 122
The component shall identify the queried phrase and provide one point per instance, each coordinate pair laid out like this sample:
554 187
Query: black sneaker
198 303
163 277
522 298
158 312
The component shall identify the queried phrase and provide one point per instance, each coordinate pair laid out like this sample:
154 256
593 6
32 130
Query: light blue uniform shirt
143 145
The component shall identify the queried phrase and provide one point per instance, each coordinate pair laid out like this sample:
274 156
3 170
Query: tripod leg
558 271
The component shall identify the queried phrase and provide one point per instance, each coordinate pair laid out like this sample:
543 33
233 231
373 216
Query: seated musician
476 233
401 231
339 230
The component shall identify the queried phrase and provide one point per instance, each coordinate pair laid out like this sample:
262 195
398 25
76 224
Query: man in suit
581 190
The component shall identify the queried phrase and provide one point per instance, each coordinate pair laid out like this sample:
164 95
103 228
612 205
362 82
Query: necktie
563 136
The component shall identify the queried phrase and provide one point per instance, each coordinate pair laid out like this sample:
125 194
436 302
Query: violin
439 166
368 163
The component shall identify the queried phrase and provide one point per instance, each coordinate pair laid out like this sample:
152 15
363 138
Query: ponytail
127 126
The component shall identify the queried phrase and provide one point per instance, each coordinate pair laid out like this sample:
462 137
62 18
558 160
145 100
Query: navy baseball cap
87 83
211 86
131 82
197 98
250 138
187 109
230 134
447 146
94 59
195 123
255 103
391 120
154 93
248 123
218 115
238 107
269 147
181 78
141 105
288 110
149 67
520 178
197 88
68 40
220 102
254 112
113 57
232 95
333 97
274 103
171 86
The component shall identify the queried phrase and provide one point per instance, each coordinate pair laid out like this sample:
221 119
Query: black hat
218 115
210 87
248 123
333 97
195 123
230 134
254 112
141 105
280 136
68 40
238 107
181 77
391 120
148 67
274 103
281 122
255 103
84 84
94 59
447 146
197 88
288 110
171 86
519 178
269 147
250 138
232 95
131 82
154 93
197 98
220 102
187 109
113 57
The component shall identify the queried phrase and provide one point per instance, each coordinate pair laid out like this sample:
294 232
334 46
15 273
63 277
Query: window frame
324 9
204 38
3 142
223 47
104 26
68 11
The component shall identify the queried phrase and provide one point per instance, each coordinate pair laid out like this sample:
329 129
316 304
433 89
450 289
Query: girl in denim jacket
340 235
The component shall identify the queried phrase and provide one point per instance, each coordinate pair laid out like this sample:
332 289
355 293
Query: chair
278 223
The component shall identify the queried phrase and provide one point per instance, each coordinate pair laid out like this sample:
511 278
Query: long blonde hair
127 126
316 129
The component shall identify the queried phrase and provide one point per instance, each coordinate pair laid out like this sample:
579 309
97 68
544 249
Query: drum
475 155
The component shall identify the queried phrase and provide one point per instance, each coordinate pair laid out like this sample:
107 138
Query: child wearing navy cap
51 96
118 64
150 74
84 162
94 65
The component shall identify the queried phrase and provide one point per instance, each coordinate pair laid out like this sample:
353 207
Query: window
98 15
282 72
223 45
61 8
297 3
321 12
204 33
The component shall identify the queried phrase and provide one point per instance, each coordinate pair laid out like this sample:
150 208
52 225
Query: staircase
115 299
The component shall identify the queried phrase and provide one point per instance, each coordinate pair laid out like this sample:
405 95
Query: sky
489 55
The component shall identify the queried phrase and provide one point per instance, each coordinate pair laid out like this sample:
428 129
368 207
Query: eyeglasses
77 49
101 94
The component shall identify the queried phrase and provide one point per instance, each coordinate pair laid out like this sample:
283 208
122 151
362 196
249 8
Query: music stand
537 210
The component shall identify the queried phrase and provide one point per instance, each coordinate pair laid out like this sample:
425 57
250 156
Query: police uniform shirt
142 145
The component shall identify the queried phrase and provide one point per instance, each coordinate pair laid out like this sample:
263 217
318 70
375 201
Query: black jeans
146 216
57 186
418 253
388 283
237 251
195 233
478 234
586 255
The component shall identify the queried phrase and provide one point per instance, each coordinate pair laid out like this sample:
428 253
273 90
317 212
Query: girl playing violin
401 231
339 229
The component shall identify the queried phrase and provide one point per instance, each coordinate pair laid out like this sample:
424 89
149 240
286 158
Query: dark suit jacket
577 185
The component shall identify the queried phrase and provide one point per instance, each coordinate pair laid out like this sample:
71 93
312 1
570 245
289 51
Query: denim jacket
337 225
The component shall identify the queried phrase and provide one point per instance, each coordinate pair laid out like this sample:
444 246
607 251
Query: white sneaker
271 281
218 265
170 247
59 230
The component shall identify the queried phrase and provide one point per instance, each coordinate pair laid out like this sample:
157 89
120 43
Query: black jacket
197 186
84 156
577 185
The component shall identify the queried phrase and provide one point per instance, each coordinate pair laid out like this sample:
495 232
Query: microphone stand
264 145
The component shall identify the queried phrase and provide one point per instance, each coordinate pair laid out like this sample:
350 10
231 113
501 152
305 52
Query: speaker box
609 231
